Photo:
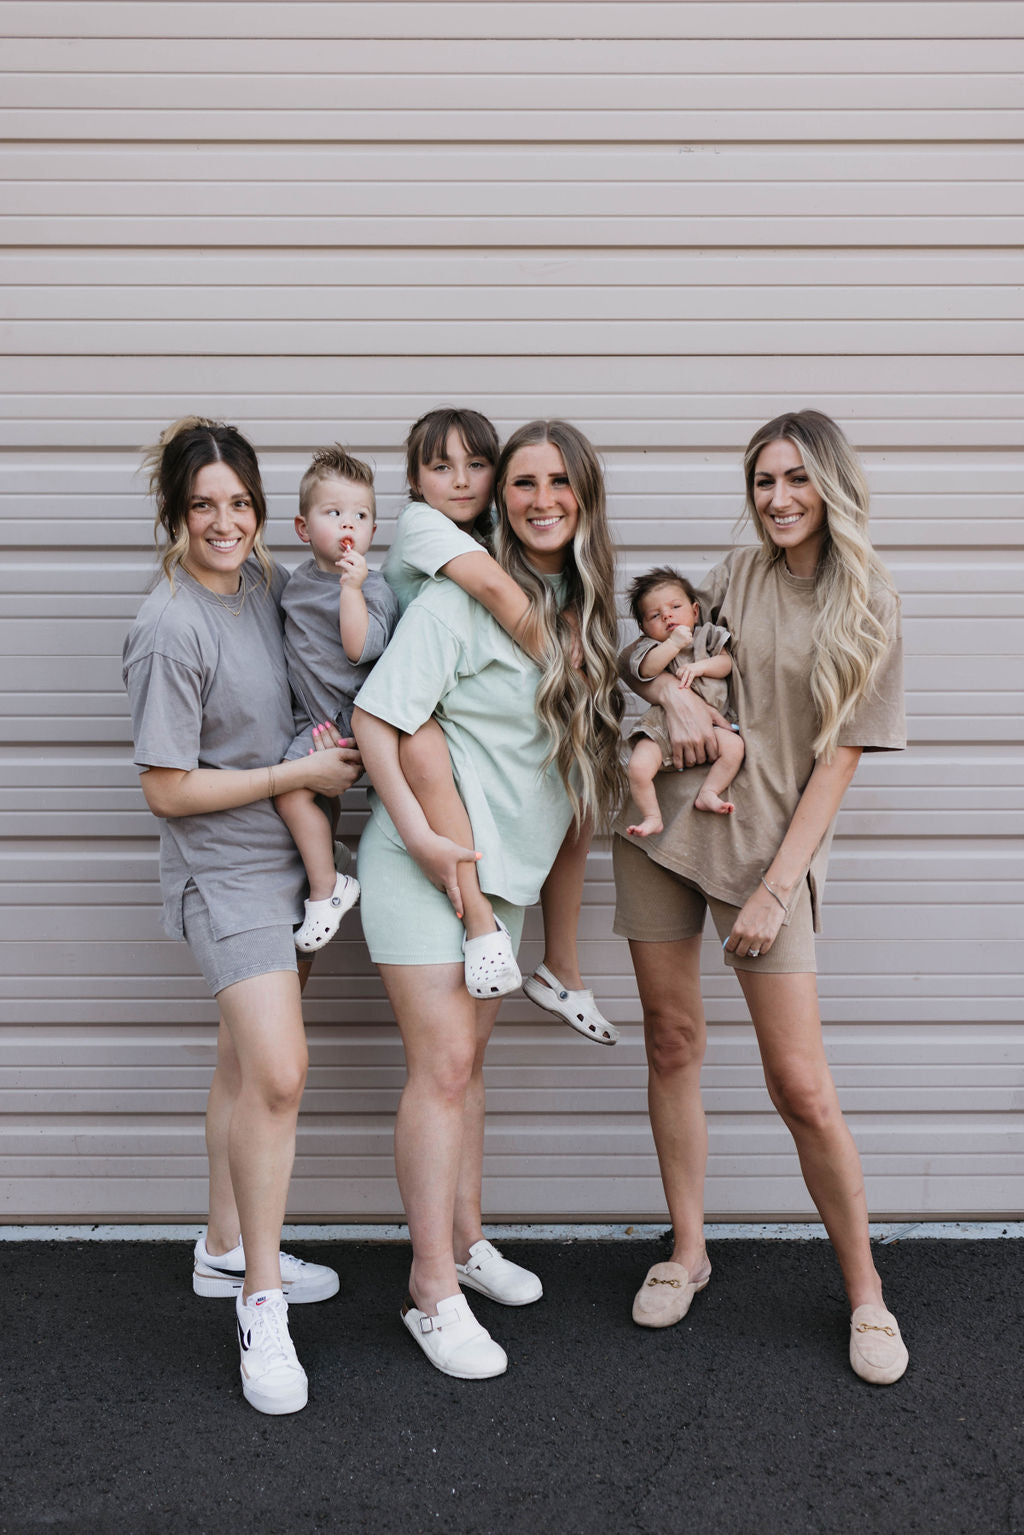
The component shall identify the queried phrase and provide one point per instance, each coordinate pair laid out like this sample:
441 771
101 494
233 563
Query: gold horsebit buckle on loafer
676 1284
872 1327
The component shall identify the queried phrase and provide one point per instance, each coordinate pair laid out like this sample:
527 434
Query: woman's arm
480 575
758 923
438 857
172 792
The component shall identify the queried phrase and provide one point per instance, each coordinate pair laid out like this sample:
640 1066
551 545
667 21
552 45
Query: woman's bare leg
427 766
787 1021
263 1019
439 1027
561 900
467 1224
222 1228
675 1035
222 1231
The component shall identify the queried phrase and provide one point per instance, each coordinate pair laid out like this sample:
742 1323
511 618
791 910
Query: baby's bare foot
707 799
648 827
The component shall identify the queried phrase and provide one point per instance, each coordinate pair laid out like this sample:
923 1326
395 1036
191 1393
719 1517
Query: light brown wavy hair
173 462
580 707
849 641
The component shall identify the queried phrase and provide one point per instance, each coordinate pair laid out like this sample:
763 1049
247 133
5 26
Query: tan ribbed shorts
653 905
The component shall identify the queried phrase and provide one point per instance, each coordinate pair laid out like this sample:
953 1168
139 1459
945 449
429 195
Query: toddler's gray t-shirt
323 679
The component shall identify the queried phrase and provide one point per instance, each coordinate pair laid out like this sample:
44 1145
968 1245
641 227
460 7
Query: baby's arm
661 656
480 575
711 666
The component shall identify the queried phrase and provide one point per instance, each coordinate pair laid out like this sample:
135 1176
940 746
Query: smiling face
666 608
221 528
542 509
457 483
788 506
339 515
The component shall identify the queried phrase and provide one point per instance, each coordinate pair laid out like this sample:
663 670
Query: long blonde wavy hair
849 641
579 706
173 462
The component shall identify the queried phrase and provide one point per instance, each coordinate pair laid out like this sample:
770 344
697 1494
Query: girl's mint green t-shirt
424 541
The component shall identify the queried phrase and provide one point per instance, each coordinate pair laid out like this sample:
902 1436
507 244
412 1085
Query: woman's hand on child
333 762
757 926
691 723
439 858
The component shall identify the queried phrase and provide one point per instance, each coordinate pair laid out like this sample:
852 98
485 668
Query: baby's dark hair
661 575
335 463
428 438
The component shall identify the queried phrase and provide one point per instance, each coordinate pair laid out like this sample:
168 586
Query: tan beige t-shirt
770 615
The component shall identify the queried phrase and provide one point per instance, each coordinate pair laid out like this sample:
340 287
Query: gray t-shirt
323 679
425 540
210 690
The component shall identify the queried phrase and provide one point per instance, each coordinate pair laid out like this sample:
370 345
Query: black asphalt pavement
122 1410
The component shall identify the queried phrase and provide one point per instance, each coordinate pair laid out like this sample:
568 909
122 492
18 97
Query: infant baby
663 603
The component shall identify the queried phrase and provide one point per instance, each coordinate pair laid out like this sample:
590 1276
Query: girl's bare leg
675 1035
644 767
440 1116
313 836
263 1020
787 1021
428 771
721 774
561 900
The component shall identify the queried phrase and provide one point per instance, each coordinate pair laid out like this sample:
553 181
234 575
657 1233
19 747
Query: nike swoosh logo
244 1338
218 1268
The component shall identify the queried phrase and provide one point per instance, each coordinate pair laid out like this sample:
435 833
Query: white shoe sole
275 1406
217 1287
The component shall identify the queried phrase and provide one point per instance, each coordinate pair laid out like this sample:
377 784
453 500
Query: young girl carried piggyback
450 461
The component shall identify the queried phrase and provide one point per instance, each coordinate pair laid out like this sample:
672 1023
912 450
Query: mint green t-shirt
450 659
425 540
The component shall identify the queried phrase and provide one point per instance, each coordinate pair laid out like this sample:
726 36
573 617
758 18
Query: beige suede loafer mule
665 1295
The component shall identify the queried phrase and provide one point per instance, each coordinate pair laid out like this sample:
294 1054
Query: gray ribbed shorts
240 956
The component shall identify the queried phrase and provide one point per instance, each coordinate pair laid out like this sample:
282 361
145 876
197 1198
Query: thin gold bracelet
775 895
270 781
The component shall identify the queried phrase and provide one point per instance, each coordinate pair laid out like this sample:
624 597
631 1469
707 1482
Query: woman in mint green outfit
531 747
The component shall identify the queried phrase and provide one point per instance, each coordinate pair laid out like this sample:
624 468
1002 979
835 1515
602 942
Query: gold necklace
243 588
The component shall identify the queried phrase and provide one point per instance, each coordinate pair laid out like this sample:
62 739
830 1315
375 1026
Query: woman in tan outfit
817 680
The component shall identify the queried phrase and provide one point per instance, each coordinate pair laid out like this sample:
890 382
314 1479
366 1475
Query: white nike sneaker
224 1275
273 1380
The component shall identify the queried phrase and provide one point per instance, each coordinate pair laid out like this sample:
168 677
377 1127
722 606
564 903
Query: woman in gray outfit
211 718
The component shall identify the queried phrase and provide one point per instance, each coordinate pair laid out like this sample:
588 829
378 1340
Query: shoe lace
275 1341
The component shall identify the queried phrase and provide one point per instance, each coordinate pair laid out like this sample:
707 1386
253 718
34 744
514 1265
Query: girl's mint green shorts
406 920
